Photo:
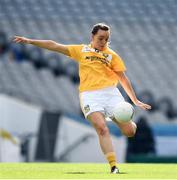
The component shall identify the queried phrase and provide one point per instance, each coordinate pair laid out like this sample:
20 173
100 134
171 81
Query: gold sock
111 157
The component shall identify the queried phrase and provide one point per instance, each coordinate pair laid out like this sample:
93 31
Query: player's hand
142 105
19 39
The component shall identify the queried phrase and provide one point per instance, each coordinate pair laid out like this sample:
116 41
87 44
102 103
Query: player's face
100 39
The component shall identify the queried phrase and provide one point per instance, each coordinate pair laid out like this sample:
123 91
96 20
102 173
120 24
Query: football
123 112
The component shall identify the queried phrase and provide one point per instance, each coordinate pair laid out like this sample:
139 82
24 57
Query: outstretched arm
126 84
46 44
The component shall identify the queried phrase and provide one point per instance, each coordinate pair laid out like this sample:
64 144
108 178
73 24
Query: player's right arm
46 44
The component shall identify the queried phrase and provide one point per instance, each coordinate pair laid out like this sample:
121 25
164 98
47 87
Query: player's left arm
126 84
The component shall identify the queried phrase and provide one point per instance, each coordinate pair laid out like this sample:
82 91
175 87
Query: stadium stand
142 33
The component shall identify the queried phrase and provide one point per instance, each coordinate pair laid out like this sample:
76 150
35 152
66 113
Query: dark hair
101 26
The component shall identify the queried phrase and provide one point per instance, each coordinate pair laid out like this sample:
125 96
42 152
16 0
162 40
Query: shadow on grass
75 172
123 173
89 173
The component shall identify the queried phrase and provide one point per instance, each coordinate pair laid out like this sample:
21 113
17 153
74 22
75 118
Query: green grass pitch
86 171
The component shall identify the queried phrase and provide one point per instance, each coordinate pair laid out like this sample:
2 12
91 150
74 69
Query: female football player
100 70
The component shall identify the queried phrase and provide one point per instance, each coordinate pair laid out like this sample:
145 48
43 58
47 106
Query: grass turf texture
86 171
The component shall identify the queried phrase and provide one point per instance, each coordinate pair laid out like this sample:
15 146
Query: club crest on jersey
107 56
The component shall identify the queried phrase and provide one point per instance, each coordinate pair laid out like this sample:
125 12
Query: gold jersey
96 68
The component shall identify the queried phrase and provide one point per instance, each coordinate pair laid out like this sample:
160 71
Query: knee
130 132
102 129
98 122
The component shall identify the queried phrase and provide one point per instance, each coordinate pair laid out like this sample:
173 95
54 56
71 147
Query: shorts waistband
102 89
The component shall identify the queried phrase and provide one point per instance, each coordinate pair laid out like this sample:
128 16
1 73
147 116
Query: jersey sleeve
117 63
75 51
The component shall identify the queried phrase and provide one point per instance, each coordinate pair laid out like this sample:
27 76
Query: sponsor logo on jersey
105 59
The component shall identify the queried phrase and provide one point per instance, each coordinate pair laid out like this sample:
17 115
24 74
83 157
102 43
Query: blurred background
40 116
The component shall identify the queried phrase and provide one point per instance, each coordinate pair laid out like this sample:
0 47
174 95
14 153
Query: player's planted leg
98 121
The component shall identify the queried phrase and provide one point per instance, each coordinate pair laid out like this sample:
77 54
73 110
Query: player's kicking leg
128 129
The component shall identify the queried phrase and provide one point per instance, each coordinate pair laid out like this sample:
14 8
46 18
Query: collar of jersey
95 50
